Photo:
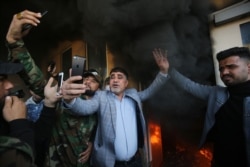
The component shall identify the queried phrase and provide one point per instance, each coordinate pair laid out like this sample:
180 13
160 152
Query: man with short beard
121 137
71 143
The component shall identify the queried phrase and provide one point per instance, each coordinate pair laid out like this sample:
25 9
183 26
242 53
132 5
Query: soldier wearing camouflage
72 133
35 134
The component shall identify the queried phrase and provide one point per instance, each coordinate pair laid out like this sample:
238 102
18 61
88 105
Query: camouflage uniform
12 146
69 139
31 75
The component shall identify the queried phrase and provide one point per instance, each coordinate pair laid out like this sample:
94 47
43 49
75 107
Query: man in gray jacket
227 121
121 127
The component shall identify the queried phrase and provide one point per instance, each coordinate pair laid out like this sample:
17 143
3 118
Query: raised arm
196 89
31 75
160 57
43 126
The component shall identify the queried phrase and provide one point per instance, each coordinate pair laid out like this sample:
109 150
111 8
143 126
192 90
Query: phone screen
60 81
78 64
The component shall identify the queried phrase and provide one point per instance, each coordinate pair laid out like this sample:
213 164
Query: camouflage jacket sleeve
31 75
14 152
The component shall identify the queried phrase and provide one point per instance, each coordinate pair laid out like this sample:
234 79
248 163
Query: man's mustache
224 76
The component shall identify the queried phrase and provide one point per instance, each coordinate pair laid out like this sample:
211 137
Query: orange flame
155 136
206 153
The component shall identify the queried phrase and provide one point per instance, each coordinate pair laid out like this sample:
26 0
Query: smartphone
78 65
28 26
60 81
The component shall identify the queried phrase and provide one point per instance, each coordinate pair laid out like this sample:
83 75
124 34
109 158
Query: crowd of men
85 124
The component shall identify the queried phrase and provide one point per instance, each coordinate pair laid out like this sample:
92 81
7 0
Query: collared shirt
126 143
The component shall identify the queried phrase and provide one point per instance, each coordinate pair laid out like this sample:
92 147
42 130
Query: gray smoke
133 28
